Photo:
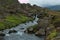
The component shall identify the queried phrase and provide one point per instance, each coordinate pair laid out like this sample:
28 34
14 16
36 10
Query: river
20 35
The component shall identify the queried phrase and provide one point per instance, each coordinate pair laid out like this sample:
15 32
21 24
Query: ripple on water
20 33
23 37
7 34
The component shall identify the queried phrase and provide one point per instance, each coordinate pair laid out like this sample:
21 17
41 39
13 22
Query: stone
12 31
29 30
21 28
41 32
2 34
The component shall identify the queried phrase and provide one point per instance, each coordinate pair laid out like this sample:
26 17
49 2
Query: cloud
23 1
45 2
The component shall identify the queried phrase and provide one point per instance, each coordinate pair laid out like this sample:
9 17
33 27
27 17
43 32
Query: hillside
56 7
13 13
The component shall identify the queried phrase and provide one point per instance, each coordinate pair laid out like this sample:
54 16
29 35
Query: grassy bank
13 20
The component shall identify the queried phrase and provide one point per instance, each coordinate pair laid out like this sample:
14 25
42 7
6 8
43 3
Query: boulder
12 31
21 28
29 30
41 32
2 34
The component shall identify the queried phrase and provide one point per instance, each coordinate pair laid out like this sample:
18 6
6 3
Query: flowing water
20 35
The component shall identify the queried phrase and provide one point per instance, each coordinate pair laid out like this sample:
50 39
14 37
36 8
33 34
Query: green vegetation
11 15
52 35
2 25
13 20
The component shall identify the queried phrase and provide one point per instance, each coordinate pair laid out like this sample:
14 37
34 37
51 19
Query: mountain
13 13
56 7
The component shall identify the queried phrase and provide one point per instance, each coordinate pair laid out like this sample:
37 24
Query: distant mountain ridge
56 7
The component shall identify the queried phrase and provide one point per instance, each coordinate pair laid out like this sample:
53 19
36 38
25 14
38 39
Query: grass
2 25
52 35
13 20
57 18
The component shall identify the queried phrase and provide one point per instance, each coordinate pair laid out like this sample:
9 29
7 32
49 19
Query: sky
23 1
42 2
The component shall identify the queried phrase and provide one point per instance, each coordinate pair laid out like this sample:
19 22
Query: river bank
20 35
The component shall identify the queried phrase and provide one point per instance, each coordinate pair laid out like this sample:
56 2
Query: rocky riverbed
17 33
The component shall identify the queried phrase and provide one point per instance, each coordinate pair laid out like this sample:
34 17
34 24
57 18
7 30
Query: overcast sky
45 2
42 2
